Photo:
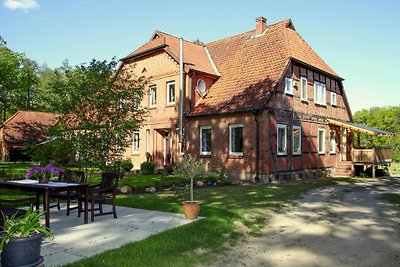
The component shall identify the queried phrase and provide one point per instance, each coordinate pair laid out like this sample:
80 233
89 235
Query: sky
359 39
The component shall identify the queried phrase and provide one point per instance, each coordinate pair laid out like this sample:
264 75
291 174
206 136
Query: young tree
384 118
103 111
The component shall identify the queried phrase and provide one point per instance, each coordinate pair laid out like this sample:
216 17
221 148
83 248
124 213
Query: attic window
250 37
201 87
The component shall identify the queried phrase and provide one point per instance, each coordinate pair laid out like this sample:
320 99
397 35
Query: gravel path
344 225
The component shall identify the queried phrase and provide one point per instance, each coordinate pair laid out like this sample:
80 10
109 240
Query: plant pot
191 210
43 180
22 251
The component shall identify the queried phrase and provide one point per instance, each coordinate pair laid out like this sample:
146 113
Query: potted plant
191 168
43 174
21 239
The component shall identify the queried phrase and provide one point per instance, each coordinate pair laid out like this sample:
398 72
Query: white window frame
296 127
152 97
231 127
284 127
319 93
333 99
288 86
148 139
304 89
332 142
137 100
135 142
168 93
321 150
202 128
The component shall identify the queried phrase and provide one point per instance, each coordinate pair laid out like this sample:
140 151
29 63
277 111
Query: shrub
147 167
126 165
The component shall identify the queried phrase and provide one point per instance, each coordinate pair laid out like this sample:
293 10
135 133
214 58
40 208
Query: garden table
46 189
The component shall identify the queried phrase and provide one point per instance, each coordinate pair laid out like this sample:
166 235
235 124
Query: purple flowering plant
36 171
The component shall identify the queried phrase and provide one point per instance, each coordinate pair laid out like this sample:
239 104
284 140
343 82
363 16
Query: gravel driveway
344 225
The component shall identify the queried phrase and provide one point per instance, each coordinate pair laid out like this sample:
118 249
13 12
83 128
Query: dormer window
201 87
288 86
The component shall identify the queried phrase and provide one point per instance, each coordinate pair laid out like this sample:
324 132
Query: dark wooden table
46 189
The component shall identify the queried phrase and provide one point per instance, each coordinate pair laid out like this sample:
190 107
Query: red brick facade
244 103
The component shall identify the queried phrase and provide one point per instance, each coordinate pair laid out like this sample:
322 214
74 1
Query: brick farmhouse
261 104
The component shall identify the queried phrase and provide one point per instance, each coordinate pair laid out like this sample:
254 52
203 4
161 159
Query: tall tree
18 80
9 70
103 111
384 118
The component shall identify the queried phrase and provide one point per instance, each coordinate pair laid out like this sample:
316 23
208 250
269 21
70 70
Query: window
296 140
321 141
332 142
122 104
148 140
135 142
236 139
319 93
137 98
304 88
205 140
333 99
288 86
171 93
281 144
153 96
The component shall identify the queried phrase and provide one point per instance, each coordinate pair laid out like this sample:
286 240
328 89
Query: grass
201 241
395 168
392 198
224 208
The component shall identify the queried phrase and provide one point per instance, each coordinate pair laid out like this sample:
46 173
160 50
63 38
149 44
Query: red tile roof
249 66
27 127
195 55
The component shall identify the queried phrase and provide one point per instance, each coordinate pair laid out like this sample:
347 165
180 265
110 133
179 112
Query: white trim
151 105
212 62
284 127
332 141
201 140
288 86
333 99
302 80
135 142
296 127
168 96
234 153
321 151
319 93
148 137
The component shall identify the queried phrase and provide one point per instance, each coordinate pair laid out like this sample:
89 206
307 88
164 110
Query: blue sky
359 39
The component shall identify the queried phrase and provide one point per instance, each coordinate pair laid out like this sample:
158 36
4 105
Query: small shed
23 127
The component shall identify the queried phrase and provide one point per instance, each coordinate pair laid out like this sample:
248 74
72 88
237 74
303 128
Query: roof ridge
229 37
187 41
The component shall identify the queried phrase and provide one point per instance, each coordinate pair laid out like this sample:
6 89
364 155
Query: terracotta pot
191 210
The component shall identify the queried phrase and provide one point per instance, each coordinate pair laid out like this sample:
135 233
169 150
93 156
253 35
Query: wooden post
373 162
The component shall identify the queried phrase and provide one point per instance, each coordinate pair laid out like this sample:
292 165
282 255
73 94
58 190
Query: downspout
181 93
257 178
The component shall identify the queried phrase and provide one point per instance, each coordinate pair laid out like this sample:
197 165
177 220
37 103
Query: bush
147 167
126 165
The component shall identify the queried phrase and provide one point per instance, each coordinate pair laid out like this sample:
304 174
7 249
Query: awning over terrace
358 127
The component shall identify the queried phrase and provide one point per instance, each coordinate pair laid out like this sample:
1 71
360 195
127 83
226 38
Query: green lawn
225 207
395 168
199 242
392 198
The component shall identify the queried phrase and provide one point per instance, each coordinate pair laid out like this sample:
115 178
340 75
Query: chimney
261 25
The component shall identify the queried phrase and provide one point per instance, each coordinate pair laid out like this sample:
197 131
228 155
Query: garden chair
7 207
103 193
68 176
